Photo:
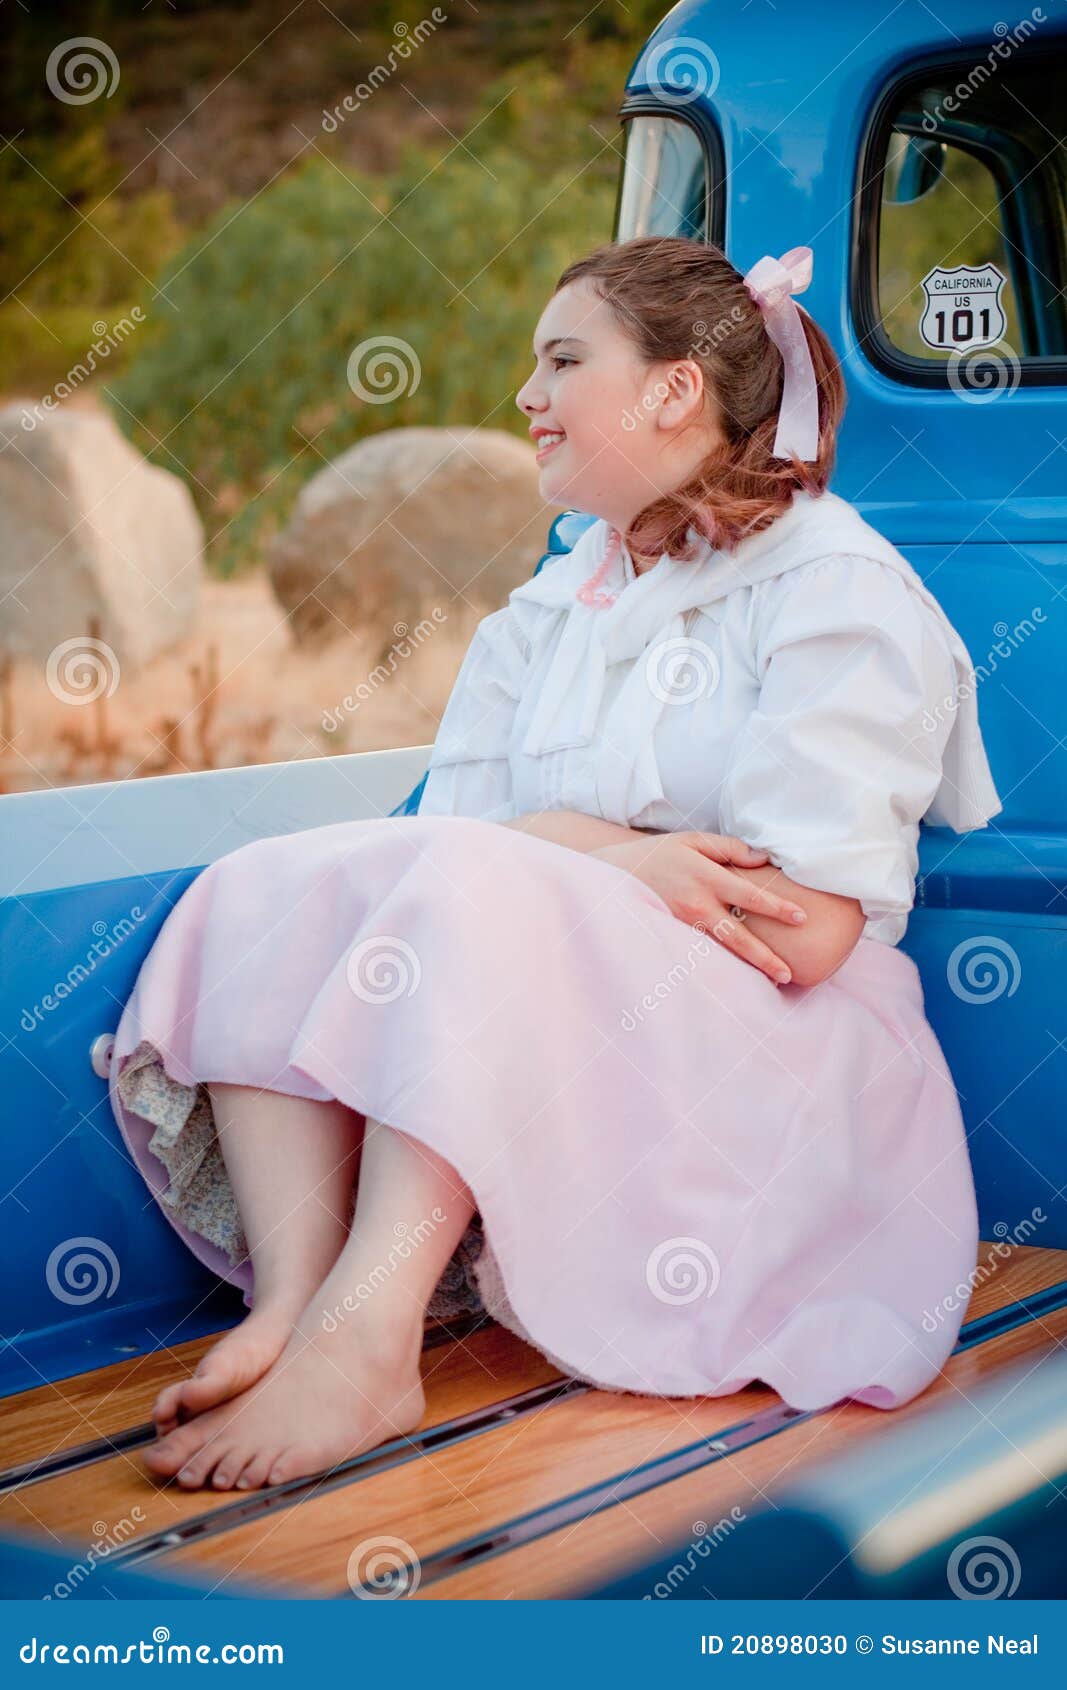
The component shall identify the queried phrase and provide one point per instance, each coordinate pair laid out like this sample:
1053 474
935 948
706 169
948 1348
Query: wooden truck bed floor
519 1484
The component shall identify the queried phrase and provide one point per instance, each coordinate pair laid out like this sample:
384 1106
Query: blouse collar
649 611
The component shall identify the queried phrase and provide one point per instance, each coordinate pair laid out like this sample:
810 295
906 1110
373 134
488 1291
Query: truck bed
520 1483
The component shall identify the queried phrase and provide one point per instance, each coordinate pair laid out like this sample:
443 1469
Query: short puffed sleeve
469 770
841 757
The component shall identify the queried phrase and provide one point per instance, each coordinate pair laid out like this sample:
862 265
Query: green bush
241 386
236 379
75 253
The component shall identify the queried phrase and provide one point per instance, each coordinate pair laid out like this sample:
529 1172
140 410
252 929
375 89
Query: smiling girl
616 1027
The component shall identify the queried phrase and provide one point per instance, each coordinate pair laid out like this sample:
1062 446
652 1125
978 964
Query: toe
285 1466
204 1393
195 1472
214 1377
296 1461
165 1407
167 1454
255 1473
229 1466
235 1363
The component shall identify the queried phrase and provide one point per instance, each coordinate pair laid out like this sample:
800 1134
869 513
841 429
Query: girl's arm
811 951
571 827
702 876
818 947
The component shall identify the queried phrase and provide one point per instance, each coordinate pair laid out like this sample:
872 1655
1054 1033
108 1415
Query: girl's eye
559 359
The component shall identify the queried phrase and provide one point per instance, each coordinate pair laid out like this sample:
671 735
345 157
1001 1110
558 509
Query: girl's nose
527 399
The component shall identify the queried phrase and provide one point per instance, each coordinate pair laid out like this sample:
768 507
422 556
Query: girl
618 1020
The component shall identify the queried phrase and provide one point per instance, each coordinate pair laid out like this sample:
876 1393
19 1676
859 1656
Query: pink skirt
687 1178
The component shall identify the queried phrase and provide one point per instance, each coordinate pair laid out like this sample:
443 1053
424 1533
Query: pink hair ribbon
771 282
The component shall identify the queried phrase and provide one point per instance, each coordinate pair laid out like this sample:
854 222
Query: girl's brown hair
677 298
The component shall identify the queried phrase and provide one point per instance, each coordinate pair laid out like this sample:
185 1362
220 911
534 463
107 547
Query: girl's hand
691 872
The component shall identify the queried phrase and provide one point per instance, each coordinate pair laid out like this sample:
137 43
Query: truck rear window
664 187
962 254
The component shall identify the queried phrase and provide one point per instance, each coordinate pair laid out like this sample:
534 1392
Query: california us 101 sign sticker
962 308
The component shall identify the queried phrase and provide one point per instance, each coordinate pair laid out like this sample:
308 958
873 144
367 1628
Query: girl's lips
544 451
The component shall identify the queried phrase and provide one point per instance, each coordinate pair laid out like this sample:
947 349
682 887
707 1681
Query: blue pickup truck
922 156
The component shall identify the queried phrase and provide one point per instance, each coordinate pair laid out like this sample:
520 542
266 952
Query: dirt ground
238 691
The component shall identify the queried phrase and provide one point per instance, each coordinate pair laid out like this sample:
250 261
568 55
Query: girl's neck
642 561
642 564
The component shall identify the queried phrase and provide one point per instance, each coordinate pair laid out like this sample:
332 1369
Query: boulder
89 529
408 519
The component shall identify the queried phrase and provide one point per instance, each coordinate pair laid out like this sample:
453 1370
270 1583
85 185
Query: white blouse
805 692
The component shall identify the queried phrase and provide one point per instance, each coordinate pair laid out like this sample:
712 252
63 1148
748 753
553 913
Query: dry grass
238 691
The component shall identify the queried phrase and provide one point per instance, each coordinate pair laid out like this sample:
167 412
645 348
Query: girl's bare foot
236 1361
326 1398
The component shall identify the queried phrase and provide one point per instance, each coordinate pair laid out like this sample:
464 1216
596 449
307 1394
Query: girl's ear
685 396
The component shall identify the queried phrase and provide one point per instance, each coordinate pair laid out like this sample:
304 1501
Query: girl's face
630 431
